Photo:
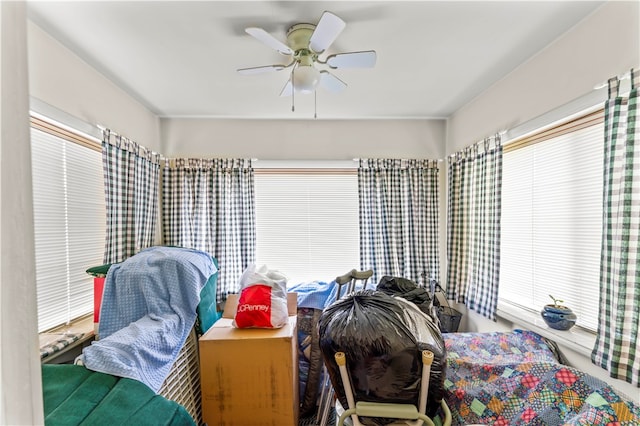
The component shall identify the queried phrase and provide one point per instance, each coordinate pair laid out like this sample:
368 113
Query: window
307 223
552 219
69 222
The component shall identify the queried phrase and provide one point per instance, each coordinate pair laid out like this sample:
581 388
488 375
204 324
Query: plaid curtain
131 180
399 218
617 348
459 202
473 226
209 205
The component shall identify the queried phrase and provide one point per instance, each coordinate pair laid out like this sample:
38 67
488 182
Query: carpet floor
311 420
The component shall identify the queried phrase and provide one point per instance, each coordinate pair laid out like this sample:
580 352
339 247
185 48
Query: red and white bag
263 299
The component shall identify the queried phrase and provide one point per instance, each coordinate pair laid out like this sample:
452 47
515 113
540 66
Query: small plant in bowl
558 316
557 302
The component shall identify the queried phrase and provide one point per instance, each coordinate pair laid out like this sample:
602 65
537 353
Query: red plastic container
98 287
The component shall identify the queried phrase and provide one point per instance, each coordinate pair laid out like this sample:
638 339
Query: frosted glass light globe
306 79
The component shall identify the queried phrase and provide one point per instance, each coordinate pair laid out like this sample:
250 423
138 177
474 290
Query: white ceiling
179 58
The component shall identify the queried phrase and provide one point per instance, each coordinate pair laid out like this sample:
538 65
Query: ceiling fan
305 43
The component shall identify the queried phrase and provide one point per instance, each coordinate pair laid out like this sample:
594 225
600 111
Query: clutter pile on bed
500 378
149 308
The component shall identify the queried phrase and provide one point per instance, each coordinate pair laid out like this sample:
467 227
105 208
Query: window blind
69 226
307 223
552 223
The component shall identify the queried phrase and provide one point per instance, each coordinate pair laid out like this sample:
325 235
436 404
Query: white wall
303 139
61 79
20 376
605 44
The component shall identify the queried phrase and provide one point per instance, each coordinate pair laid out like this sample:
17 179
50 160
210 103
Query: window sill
83 327
576 338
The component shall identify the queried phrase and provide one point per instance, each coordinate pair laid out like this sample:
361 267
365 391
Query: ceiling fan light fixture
305 79
305 42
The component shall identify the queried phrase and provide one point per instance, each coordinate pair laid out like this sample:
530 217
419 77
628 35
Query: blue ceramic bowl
558 317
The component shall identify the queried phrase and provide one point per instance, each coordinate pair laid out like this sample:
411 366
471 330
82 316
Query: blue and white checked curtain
131 181
209 205
473 226
399 218
617 347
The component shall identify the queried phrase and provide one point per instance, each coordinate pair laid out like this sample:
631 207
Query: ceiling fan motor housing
298 37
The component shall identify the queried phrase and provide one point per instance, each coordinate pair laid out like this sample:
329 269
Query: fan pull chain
315 104
293 101
293 89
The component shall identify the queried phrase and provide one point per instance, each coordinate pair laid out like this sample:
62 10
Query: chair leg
326 394
322 398
327 406
341 360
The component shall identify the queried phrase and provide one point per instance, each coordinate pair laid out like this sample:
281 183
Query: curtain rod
625 76
586 103
111 132
439 160
496 139
161 158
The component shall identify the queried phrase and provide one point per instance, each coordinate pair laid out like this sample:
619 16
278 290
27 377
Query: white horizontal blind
69 226
552 223
307 224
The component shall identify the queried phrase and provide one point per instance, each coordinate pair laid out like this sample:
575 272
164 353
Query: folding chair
409 414
351 278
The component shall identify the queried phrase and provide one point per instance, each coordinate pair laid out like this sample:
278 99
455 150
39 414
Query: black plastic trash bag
407 289
383 338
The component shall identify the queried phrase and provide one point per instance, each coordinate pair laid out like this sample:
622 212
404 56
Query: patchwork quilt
514 378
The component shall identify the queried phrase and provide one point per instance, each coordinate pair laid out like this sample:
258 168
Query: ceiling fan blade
269 40
365 59
327 30
287 90
331 83
260 70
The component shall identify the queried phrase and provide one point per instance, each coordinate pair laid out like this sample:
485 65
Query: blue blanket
314 294
318 294
148 309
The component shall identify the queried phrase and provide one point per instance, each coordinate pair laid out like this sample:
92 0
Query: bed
515 378
122 384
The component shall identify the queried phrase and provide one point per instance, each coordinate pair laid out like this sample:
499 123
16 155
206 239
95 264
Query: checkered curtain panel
131 179
459 202
617 347
473 226
209 205
399 218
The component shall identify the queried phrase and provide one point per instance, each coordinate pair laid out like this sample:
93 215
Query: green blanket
74 395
